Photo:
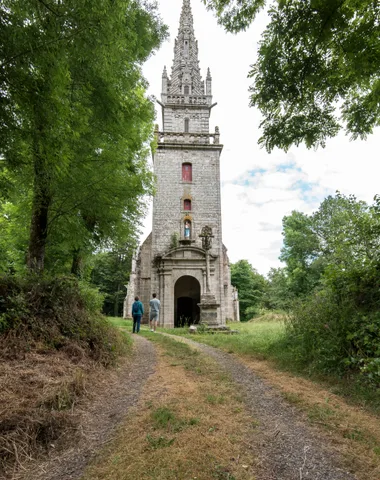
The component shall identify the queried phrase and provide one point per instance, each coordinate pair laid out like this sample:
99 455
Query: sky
258 188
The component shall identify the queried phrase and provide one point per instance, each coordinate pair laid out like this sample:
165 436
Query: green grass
120 322
267 340
260 339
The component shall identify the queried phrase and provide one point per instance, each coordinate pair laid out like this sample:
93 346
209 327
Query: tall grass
260 339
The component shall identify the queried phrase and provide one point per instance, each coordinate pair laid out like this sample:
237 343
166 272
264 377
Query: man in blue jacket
137 313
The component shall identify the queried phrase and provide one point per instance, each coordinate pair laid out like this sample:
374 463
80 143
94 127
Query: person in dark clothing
137 313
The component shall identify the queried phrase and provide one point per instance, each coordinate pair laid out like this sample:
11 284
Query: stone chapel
184 260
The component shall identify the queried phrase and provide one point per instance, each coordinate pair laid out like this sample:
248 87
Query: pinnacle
186 19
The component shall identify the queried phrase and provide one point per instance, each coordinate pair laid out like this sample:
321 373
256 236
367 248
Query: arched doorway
187 295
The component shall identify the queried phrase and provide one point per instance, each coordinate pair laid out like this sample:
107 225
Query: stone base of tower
209 310
179 280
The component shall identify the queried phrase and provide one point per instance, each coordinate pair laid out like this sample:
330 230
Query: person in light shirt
154 305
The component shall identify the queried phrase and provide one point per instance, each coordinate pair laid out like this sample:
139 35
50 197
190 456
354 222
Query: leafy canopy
75 124
251 286
317 69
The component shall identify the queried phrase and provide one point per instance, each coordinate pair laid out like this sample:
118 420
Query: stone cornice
189 146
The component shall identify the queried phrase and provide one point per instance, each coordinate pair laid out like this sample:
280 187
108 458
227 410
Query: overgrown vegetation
333 272
54 314
329 288
52 339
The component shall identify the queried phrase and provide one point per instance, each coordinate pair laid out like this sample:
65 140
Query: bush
334 336
55 312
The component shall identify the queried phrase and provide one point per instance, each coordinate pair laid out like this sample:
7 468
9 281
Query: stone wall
203 191
143 276
174 119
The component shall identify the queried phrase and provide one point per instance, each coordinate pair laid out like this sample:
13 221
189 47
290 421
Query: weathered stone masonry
172 260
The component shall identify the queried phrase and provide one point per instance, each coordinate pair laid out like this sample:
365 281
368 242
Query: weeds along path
287 447
99 417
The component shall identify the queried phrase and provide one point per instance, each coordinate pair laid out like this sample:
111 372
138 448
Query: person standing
154 312
137 313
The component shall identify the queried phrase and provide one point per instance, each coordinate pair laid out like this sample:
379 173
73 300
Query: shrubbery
336 337
55 312
333 273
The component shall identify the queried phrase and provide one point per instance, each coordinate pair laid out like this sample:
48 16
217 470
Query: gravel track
287 447
102 416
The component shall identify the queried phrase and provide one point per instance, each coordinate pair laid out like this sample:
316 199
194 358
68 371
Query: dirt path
101 417
282 446
288 448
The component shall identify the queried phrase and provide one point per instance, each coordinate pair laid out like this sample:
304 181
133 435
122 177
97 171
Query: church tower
184 260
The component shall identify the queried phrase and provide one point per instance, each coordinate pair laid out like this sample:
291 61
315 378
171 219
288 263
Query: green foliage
174 240
300 252
159 442
93 299
162 416
314 55
110 273
333 336
251 287
55 313
75 122
278 295
332 268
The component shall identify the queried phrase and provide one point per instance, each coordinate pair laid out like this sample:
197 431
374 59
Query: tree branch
48 7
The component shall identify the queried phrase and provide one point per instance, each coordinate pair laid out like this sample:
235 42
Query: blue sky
259 189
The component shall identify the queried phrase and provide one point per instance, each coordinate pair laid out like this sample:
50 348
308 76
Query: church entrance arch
187 295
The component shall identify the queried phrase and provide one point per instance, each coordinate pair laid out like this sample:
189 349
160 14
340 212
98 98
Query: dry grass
37 398
353 432
190 424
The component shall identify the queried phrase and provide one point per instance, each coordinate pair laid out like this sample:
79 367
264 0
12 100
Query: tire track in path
289 448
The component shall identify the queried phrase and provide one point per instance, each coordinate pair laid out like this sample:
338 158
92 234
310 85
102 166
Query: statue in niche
187 230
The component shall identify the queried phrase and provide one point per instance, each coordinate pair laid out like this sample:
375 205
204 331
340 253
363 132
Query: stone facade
192 282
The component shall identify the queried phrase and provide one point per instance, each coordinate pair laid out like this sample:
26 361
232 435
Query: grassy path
190 424
352 432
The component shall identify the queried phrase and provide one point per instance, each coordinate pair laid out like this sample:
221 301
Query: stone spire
186 78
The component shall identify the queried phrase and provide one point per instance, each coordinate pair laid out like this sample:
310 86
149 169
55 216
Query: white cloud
253 205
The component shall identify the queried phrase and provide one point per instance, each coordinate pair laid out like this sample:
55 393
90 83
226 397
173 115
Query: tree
279 294
251 286
300 252
110 274
73 101
315 57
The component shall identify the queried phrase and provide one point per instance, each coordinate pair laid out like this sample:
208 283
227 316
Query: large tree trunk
40 210
77 264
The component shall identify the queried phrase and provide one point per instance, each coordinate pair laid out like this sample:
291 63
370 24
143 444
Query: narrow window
186 90
187 175
187 121
187 204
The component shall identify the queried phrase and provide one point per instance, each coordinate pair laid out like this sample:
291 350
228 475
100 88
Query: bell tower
184 260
